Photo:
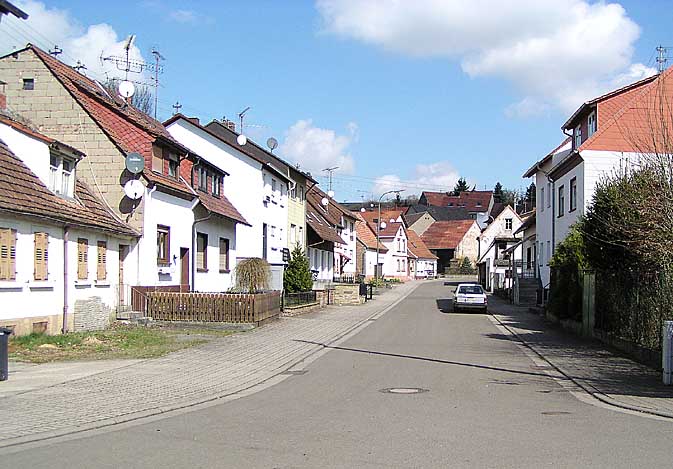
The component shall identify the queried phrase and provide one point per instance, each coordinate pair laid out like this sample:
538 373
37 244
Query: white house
495 271
321 240
62 251
422 262
257 188
366 249
396 261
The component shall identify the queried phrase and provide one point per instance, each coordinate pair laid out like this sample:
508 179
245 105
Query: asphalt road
485 405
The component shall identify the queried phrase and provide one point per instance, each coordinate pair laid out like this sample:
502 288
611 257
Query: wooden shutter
224 255
41 256
7 254
101 263
82 258
201 254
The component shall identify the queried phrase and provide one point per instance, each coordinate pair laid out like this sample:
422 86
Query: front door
123 252
184 269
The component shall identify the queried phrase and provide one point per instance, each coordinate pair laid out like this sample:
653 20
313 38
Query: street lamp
378 228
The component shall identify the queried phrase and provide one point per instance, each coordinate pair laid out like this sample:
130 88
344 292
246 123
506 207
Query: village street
486 404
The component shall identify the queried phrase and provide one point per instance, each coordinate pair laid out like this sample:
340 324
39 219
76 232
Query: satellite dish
324 201
135 163
272 143
126 89
242 140
363 210
330 194
134 189
392 220
383 225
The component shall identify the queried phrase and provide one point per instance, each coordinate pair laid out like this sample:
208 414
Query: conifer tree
298 277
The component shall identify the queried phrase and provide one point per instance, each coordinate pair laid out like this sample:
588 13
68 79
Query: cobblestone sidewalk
608 377
220 368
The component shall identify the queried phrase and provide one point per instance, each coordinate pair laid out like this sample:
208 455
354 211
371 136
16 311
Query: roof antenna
241 115
56 51
79 67
661 58
177 106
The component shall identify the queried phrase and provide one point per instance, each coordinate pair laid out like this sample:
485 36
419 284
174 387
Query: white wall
34 153
322 262
176 213
543 223
349 235
274 213
498 228
213 280
25 297
397 251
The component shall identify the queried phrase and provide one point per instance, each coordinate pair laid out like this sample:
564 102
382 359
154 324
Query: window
41 256
293 234
217 182
573 194
301 235
549 195
202 252
163 245
293 192
542 199
508 223
157 159
7 254
273 186
60 175
265 241
561 200
101 260
301 193
591 124
473 216
224 255
203 179
29 84
399 267
578 136
173 165
548 251
82 258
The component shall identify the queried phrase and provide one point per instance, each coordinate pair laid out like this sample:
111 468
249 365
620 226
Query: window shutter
41 256
224 254
82 258
7 254
101 271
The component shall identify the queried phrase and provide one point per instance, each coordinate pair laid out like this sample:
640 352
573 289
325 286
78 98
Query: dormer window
61 180
217 182
578 136
173 165
591 124
203 179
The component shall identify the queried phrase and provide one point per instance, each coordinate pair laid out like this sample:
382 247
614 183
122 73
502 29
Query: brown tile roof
22 193
321 226
390 231
446 234
366 236
386 215
221 206
335 211
128 128
417 247
473 201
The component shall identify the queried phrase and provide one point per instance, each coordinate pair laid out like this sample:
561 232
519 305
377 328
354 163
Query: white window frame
541 199
61 182
591 124
577 136
508 223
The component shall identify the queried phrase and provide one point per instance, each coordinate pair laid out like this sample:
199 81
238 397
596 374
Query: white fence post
667 351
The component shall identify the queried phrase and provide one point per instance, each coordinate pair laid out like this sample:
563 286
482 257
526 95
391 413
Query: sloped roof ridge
615 117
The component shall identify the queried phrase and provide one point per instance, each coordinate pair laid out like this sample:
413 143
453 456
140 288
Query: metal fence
299 298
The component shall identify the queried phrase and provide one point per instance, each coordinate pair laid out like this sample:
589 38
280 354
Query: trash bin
4 353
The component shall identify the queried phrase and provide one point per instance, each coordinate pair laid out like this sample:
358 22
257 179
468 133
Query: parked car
469 296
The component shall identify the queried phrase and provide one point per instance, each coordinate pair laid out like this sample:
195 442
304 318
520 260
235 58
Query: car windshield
470 290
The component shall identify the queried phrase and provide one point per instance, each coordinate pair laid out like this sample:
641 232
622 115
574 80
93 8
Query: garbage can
4 353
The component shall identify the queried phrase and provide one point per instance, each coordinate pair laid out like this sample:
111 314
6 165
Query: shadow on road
445 305
427 359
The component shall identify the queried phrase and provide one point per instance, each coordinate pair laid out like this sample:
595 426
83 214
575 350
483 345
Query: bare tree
142 99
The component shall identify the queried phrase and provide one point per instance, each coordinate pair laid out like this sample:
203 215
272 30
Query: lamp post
378 229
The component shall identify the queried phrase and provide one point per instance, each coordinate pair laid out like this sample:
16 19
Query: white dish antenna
330 194
392 220
272 143
126 89
242 140
134 189
363 210
325 201
383 225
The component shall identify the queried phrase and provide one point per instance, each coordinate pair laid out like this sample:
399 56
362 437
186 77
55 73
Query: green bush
298 277
567 266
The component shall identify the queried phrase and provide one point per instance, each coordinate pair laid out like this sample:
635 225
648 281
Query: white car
469 296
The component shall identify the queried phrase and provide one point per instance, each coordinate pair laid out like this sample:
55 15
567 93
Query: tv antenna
662 58
177 106
241 115
329 172
56 51
79 67
157 69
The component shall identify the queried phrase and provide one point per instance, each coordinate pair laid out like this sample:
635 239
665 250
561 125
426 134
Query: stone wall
346 294
91 314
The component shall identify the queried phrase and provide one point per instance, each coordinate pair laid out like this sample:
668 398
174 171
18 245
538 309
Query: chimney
231 125
3 96
194 120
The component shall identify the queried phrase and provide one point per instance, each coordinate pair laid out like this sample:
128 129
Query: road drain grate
403 390
294 372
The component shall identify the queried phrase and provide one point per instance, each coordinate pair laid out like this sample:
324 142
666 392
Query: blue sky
412 95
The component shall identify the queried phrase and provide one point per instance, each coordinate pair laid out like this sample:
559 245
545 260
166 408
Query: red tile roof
417 247
334 210
386 215
366 236
321 226
127 127
446 234
473 201
22 193
221 206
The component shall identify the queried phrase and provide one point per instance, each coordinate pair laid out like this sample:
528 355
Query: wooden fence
213 307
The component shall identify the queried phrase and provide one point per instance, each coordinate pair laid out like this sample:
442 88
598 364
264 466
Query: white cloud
47 27
557 53
184 16
315 149
433 177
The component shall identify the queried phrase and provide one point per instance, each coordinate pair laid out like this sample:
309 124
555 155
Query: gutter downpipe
64 329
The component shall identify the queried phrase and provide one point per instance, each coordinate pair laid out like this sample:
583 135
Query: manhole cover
403 390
